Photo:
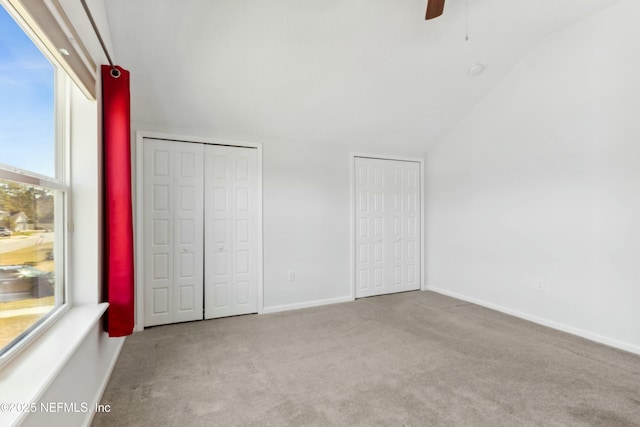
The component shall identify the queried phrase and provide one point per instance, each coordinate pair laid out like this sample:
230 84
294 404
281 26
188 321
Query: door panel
200 206
231 261
173 244
387 226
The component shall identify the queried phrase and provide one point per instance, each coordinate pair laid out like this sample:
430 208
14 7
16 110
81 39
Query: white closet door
231 251
387 222
173 230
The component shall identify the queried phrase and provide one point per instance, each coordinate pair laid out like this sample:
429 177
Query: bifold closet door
387 226
173 230
231 233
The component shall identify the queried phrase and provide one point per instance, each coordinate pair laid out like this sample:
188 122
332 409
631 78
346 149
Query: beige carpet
414 359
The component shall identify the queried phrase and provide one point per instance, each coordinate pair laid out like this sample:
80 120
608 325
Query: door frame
139 211
352 221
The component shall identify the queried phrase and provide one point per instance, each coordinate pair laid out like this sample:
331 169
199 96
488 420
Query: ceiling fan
434 8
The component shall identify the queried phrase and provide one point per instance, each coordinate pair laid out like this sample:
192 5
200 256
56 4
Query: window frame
60 183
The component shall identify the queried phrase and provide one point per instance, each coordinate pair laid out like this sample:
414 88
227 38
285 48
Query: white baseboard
306 304
545 322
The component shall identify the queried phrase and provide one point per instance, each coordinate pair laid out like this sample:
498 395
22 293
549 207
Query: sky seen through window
26 101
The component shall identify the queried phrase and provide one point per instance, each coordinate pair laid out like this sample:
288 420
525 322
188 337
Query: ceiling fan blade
434 8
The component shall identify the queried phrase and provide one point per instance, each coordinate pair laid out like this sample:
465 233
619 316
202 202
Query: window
33 188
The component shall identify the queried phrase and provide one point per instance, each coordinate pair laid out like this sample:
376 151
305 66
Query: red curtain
118 224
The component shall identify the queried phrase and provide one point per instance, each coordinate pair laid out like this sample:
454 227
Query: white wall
80 382
306 215
84 251
539 186
306 223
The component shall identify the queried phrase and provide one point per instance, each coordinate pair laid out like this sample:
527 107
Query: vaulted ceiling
339 71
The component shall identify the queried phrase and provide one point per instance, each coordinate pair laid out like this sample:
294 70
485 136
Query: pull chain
466 37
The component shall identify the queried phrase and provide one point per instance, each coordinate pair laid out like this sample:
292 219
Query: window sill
27 376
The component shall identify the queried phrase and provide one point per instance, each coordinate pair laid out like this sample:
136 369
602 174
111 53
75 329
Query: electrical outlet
291 275
540 285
